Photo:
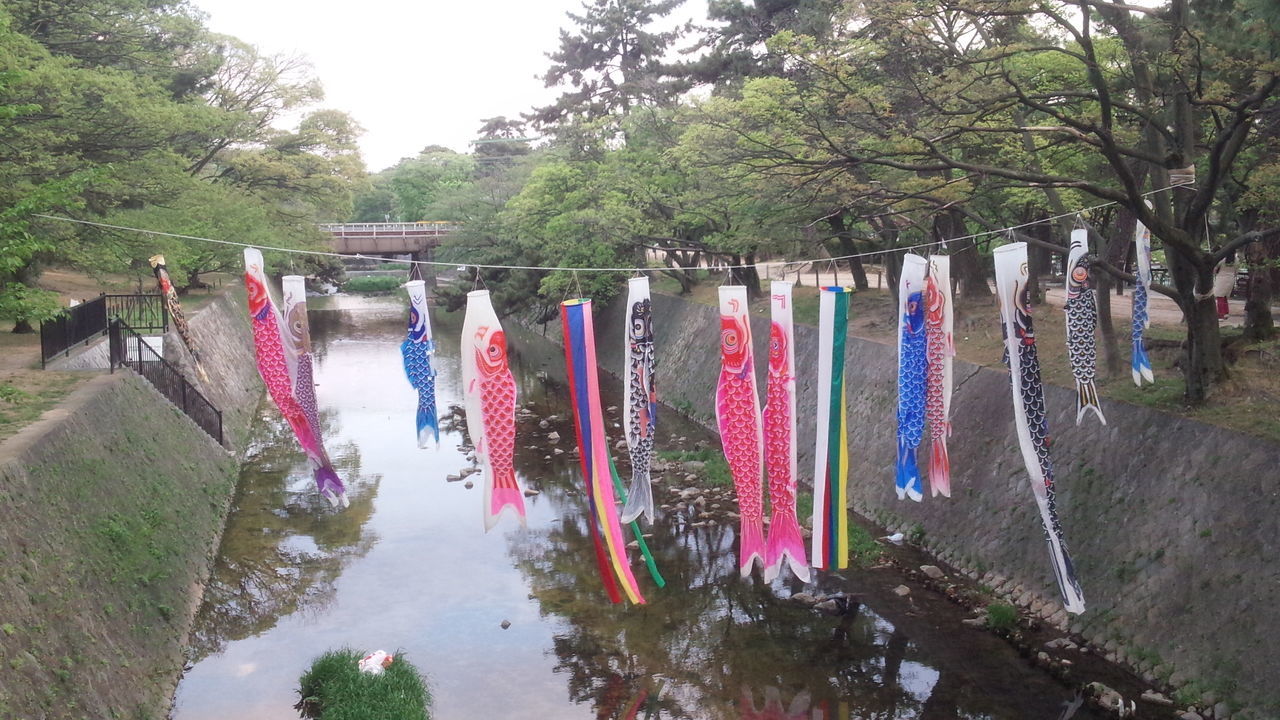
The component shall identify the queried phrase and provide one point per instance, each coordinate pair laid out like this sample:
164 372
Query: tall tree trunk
748 275
1112 248
1039 260
1258 256
967 267
847 247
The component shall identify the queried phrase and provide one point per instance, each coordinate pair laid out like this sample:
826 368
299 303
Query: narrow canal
409 568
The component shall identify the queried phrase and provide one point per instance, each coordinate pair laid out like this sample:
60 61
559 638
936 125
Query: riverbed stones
902 591
505 624
553 436
530 492
804 598
1156 698
933 571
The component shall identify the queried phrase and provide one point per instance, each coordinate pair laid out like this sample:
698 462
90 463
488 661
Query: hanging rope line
718 267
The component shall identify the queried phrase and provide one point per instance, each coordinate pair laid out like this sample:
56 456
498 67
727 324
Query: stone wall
224 339
1174 525
111 508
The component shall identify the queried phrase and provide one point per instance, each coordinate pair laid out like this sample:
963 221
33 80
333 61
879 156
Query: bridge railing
390 229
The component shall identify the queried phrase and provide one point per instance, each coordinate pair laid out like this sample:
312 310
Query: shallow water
408 567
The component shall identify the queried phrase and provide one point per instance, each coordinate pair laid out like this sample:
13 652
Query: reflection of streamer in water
773 710
1069 709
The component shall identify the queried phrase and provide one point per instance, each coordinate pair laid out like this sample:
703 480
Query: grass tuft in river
335 689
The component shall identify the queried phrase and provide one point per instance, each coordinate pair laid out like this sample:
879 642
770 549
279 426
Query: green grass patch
715 471
372 284
1001 616
335 689
39 391
864 551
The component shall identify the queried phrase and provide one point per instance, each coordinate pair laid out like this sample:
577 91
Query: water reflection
409 566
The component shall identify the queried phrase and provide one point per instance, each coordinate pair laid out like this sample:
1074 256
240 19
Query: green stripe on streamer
635 529
835 429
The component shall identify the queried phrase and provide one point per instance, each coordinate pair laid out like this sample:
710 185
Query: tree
613 62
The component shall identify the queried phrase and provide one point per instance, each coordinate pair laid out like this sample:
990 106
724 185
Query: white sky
413 73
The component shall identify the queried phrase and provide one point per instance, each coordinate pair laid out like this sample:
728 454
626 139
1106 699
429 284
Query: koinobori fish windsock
490 397
593 447
298 344
1029 409
641 403
1082 321
417 349
939 351
785 543
278 360
912 368
831 450
738 418
175 312
1141 362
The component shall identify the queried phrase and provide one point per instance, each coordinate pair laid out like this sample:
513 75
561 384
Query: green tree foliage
134 113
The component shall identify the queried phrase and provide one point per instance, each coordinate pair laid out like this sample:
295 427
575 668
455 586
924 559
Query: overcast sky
413 73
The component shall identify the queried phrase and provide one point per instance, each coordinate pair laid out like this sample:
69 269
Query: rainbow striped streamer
593 448
831 452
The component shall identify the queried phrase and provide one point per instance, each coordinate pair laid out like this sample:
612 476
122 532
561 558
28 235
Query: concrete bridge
416 239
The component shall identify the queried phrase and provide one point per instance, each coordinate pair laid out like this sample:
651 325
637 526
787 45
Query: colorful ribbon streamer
1029 409
831 451
490 397
593 446
912 368
939 318
278 365
417 349
785 543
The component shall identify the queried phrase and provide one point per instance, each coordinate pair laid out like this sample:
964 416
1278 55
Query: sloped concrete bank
1174 525
111 506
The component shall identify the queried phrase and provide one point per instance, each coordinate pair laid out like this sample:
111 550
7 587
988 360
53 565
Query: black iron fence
143 313
76 325
129 349
89 320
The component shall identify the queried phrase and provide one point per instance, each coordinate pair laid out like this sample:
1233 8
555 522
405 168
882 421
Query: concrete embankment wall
111 507
1174 525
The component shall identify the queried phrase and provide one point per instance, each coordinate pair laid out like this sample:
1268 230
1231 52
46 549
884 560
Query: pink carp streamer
593 446
490 392
939 351
738 416
785 543
175 312
278 364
